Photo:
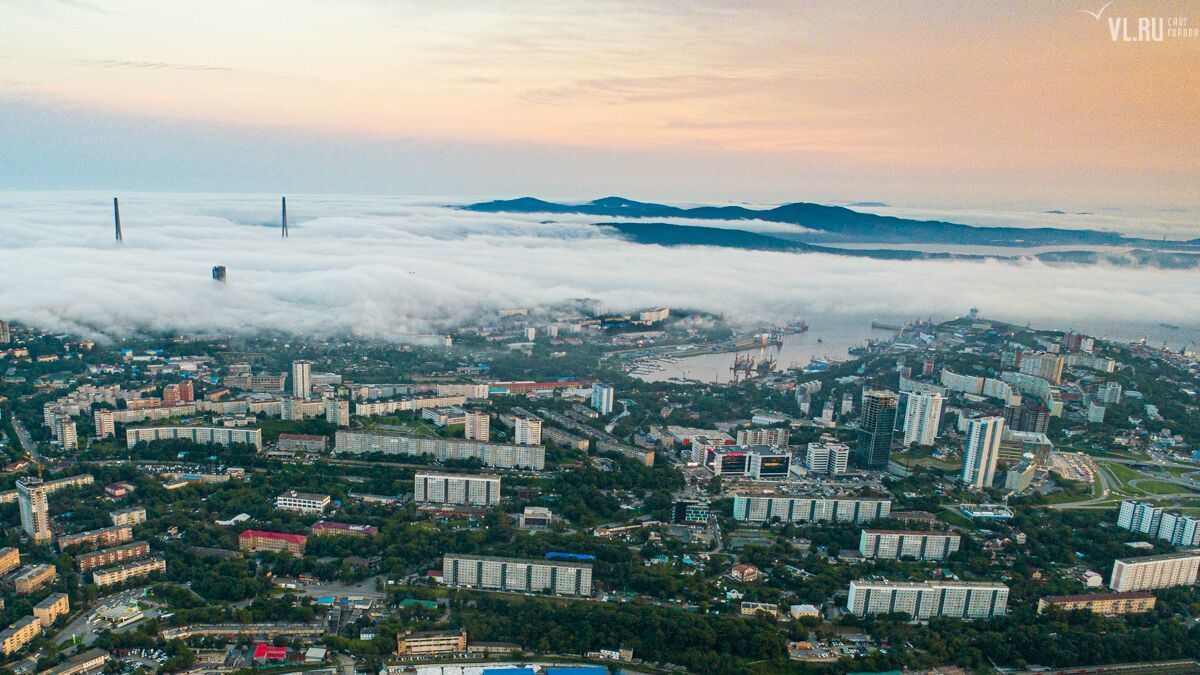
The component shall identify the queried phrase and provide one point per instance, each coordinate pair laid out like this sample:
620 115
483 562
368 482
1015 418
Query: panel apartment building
200 435
926 599
456 489
1154 571
500 455
518 575
130 570
1100 603
908 544
764 507
111 556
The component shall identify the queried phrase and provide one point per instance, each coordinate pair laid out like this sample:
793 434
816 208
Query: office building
302 502
875 429
1107 604
926 599
763 462
52 607
200 435
535 518
108 536
30 578
128 571
527 430
1155 571
25 630
35 510
456 489
10 559
431 643
766 507
922 416
827 457
500 455
257 540
602 398
690 513
111 556
769 436
981 451
1139 517
907 544
301 379
337 412
478 427
517 575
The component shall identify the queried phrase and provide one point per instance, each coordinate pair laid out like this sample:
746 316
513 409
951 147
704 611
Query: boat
800 326
820 340
879 325
1169 325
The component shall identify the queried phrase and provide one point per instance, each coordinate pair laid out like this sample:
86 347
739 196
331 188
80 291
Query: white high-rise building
602 398
64 430
1153 572
922 416
478 427
301 379
981 451
1139 517
456 489
527 431
1109 393
827 457
35 510
1180 530
926 599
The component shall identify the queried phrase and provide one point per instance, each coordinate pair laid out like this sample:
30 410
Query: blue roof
509 671
577 670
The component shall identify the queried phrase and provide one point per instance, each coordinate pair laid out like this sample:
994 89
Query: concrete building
501 455
106 557
303 443
763 462
535 518
30 578
35 510
52 607
337 412
1139 517
64 431
1049 367
922 417
1180 530
301 379
107 536
257 540
431 643
10 559
875 429
325 528
926 599
1095 413
457 489
770 436
527 430
86 663
827 457
21 633
981 452
1109 393
302 502
131 570
199 435
907 544
1100 603
1155 571
478 427
765 507
518 575
602 398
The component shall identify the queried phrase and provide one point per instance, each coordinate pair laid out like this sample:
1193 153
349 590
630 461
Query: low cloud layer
392 268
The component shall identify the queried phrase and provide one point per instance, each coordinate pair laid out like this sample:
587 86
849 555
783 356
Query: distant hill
831 223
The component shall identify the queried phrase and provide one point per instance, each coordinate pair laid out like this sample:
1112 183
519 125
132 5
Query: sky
398 269
937 105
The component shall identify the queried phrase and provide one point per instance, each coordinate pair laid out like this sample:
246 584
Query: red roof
294 538
265 652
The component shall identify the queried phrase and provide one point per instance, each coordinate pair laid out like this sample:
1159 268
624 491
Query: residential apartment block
130 516
257 540
457 489
501 455
1155 571
519 575
106 557
130 570
766 507
108 536
54 606
1100 603
199 435
926 599
908 544
30 578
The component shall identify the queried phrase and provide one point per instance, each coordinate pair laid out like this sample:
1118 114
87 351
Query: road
26 440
